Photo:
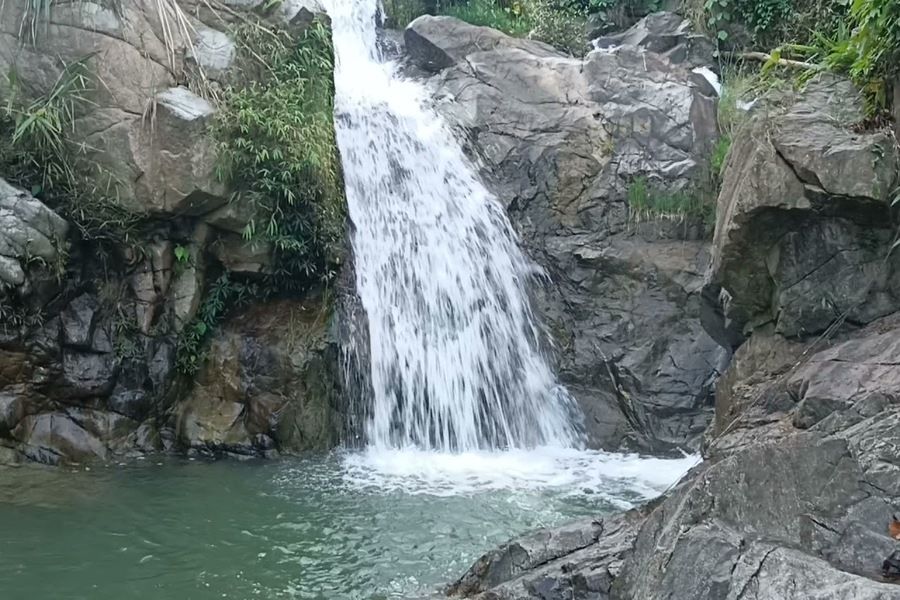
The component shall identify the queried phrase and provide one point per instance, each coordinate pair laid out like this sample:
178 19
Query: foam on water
620 478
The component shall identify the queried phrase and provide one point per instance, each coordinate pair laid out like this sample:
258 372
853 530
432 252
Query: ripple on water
344 526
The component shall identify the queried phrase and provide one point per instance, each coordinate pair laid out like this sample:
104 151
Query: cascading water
455 358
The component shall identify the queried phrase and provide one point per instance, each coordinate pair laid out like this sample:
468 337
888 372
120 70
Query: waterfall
455 351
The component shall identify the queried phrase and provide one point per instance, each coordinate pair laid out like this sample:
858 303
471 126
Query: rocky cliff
800 475
564 142
103 303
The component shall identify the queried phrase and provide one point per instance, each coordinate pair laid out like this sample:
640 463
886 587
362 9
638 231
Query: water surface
340 526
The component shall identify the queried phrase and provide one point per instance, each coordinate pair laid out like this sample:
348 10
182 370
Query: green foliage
561 23
35 155
510 18
278 149
761 17
647 203
614 15
223 295
720 155
868 48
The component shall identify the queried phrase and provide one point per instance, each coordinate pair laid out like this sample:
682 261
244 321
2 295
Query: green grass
720 155
511 20
648 204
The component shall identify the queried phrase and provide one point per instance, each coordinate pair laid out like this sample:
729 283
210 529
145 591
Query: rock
78 321
213 51
54 438
436 43
269 382
800 478
803 223
150 149
87 374
12 409
238 255
561 141
667 34
29 232
851 374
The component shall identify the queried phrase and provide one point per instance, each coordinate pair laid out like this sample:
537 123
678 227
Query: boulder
268 383
138 134
30 234
561 140
800 479
804 223
664 33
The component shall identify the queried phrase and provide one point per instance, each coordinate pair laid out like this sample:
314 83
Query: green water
299 528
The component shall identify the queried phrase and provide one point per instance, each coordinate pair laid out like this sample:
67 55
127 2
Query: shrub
278 150
510 18
561 23
868 49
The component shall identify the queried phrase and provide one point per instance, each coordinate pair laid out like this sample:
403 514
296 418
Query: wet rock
30 233
268 383
54 438
87 374
78 321
561 141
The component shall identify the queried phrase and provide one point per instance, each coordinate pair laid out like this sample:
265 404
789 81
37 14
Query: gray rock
78 321
87 374
436 43
803 226
269 382
151 150
667 34
561 140
29 233
55 438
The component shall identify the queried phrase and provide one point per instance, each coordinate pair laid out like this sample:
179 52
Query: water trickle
454 346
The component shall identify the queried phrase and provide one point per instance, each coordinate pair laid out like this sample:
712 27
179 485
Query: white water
464 401
455 362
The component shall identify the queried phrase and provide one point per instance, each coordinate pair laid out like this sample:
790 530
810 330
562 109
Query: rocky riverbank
800 475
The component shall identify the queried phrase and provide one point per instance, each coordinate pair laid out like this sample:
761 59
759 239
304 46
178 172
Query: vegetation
647 203
511 18
278 150
869 49
223 295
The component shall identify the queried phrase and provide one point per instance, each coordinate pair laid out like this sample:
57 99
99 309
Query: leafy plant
868 49
222 295
511 18
561 23
719 155
278 149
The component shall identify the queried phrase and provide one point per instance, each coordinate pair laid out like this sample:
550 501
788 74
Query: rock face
803 223
30 235
800 477
90 326
267 385
562 141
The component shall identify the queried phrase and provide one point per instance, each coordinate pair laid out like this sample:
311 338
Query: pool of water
340 526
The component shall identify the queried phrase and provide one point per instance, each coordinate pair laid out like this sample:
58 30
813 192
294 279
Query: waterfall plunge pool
342 526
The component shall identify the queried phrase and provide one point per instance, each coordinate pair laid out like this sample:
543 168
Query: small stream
340 526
